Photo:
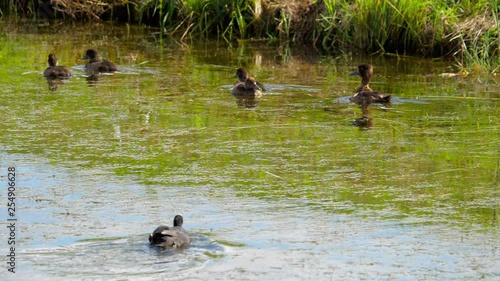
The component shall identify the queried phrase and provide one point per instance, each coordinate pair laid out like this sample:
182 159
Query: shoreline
468 33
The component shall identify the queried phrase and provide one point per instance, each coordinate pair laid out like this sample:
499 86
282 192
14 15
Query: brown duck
97 65
242 75
364 94
249 88
54 71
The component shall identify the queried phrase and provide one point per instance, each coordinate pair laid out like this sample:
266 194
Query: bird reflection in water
54 83
247 102
366 120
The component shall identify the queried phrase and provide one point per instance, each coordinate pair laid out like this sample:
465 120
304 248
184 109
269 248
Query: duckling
97 65
249 88
364 94
170 237
242 75
54 71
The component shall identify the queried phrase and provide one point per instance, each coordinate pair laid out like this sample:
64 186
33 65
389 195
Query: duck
97 65
171 237
249 88
364 94
54 71
242 75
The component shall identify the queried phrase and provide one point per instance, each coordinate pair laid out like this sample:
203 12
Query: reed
164 13
479 37
466 30
402 26
18 8
218 18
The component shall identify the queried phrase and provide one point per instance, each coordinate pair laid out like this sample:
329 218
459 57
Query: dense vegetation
464 29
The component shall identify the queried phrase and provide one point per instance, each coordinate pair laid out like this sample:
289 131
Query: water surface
285 186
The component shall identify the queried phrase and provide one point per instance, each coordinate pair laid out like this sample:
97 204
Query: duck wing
380 97
107 66
368 97
242 90
171 237
50 72
175 237
261 86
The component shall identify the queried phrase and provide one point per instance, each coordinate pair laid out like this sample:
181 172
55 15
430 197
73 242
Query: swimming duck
364 94
242 75
170 237
54 71
96 64
249 88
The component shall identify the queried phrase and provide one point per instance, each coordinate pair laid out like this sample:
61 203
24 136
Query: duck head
92 55
364 70
241 74
366 73
178 220
52 60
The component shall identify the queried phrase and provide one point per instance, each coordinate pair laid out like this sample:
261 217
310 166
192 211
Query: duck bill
356 72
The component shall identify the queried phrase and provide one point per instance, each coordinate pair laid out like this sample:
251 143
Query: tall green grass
159 12
18 8
479 37
402 26
466 30
228 19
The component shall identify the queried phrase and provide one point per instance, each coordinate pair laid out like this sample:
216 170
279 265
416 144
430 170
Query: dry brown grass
89 9
294 19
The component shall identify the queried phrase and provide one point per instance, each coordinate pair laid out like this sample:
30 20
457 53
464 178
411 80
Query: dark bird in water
170 237
54 71
249 88
242 75
364 94
97 65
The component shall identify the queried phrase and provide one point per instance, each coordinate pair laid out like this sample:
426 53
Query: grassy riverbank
466 30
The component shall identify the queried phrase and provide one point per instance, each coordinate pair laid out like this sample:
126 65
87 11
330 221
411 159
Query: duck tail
385 99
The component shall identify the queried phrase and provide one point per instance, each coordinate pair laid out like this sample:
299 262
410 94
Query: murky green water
280 187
